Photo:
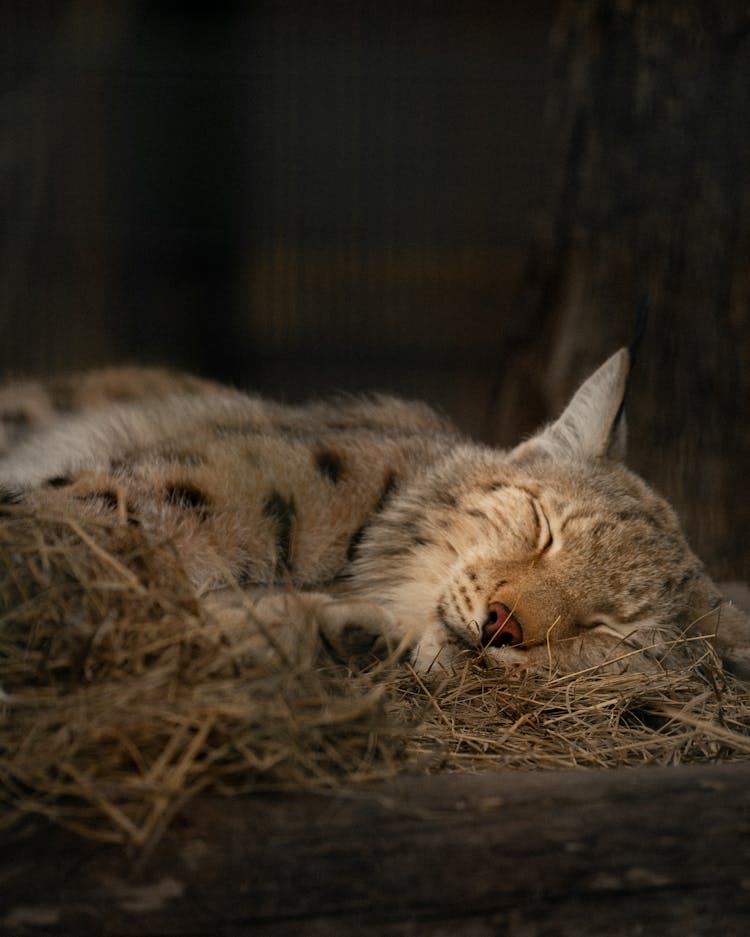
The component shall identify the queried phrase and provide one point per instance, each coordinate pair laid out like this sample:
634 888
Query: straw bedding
122 696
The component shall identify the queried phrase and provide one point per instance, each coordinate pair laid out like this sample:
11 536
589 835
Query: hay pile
122 696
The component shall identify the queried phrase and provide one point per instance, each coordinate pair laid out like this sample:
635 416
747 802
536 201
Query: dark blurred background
462 202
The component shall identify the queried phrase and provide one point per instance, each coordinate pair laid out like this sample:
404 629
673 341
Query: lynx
377 520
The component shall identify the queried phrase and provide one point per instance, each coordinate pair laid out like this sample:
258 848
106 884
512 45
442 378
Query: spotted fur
381 514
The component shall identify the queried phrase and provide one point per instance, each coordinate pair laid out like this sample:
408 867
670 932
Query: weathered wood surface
649 851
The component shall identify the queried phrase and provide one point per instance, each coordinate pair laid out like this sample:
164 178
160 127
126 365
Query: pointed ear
593 424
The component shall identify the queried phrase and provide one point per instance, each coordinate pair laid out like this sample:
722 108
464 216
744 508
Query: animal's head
553 542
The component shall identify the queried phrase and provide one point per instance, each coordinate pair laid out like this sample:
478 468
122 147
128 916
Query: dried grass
122 696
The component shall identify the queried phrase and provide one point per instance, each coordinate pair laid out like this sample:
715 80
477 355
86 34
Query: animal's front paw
285 626
355 628
273 628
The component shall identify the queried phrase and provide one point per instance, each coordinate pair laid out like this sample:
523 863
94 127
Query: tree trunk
648 136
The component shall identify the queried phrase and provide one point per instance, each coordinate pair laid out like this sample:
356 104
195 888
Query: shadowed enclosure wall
462 202
296 197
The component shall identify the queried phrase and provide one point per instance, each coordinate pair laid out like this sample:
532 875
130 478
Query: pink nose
501 627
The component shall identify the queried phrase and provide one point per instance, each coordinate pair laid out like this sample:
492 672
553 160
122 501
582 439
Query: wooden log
635 851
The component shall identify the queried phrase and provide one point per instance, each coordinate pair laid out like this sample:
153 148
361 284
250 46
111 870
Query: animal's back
260 491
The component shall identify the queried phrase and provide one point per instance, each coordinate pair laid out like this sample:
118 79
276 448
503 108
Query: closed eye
544 536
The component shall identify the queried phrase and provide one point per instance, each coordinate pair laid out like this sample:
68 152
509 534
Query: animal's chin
460 632
506 656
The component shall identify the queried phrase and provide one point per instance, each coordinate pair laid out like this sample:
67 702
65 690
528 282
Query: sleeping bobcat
378 520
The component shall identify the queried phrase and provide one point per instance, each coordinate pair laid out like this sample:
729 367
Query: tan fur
398 531
29 406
